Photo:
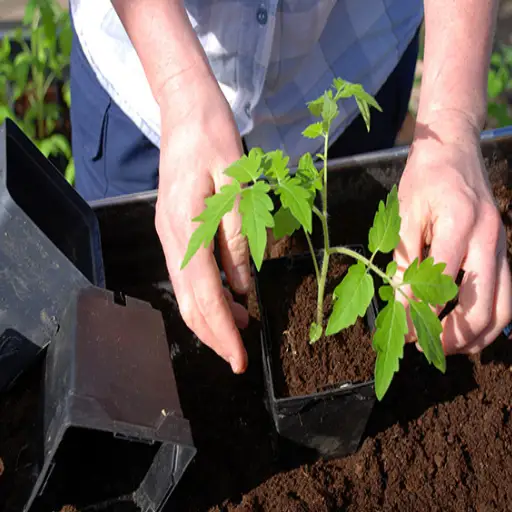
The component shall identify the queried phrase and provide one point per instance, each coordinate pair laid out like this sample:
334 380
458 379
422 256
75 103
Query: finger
205 309
474 310
450 235
502 310
198 289
240 314
233 247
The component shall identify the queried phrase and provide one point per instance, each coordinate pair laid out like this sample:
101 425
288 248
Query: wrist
447 126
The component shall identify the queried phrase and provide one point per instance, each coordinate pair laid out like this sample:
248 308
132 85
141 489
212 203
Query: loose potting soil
301 368
436 442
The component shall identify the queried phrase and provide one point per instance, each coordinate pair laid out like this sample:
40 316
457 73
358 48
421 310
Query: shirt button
247 109
262 16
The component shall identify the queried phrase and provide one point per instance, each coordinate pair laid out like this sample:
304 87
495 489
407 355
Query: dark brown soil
504 199
436 442
299 367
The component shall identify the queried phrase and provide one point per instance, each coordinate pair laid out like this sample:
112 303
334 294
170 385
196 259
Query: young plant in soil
257 175
30 81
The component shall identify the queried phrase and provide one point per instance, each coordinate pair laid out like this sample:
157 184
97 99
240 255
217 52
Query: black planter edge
338 389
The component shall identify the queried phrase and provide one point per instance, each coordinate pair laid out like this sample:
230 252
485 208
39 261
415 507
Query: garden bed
436 442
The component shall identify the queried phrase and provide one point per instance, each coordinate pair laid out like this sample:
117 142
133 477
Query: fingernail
235 366
241 278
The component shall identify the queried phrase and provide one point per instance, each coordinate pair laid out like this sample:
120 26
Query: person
166 93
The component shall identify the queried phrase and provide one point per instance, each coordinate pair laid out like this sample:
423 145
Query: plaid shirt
269 56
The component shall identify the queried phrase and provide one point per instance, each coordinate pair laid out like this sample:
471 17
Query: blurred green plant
33 78
499 82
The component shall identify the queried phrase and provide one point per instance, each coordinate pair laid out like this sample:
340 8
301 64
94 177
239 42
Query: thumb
233 248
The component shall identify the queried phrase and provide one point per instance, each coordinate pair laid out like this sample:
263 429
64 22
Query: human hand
446 202
194 154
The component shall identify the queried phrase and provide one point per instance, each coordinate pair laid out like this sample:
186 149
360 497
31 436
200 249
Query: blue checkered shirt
270 57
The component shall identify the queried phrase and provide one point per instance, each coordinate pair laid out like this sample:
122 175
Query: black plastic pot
329 423
49 250
114 433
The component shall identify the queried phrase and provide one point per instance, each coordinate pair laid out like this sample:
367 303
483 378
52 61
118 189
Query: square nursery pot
326 424
113 434
49 250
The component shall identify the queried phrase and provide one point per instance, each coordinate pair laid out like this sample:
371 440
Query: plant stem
325 230
312 251
366 261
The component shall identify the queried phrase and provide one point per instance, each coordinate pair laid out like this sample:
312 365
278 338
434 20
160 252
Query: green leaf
216 207
285 224
339 84
388 343
255 207
495 84
353 296
345 89
308 173
315 332
69 173
385 232
5 48
65 36
66 93
365 111
316 106
30 8
246 169
276 165
428 328
329 108
386 292
298 199
428 282
6 113
391 268
313 131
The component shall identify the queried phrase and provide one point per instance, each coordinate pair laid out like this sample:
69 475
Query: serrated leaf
298 199
339 84
276 165
315 332
388 343
285 224
329 108
365 112
308 173
428 329
246 169
391 268
353 296
386 292
255 207
316 106
428 282
216 207
384 235
313 131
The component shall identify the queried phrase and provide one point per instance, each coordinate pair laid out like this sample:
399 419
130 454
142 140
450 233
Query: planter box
50 249
331 422
402 432
436 442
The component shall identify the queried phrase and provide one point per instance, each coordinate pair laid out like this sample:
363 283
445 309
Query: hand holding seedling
446 202
258 174
192 161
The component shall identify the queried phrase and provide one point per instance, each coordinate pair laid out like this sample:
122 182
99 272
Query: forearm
458 42
173 59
